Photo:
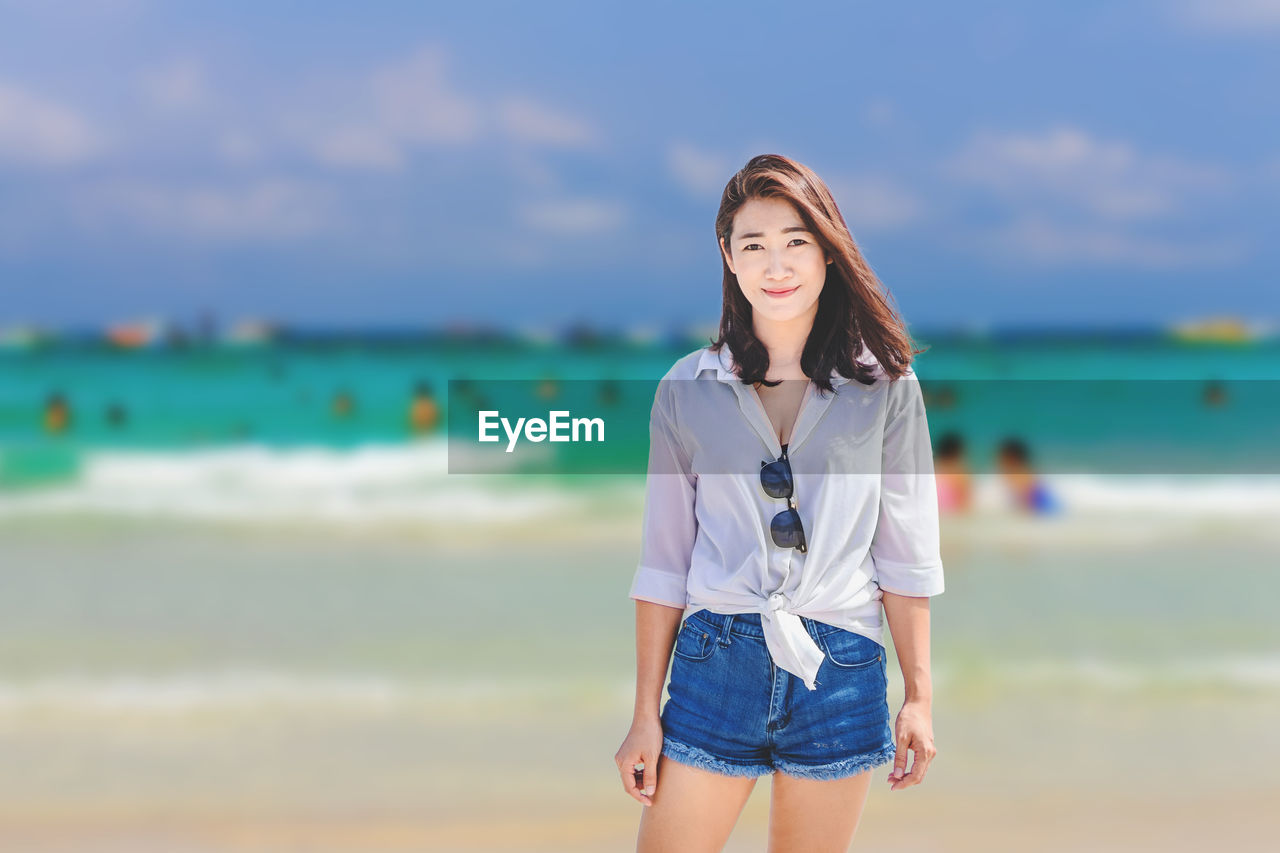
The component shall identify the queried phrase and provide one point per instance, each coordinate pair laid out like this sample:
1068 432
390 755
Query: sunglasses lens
775 479
786 529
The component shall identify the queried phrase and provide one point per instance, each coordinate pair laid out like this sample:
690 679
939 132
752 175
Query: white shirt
864 487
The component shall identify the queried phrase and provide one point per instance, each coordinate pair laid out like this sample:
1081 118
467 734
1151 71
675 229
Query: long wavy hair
854 308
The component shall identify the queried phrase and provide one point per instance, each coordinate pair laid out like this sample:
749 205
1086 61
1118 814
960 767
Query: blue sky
532 164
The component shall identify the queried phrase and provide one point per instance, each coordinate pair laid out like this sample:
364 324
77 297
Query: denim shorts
732 710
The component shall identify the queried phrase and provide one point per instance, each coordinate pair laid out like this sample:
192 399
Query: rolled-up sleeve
669 525
905 548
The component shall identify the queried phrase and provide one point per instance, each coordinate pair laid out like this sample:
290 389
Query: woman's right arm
656 629
670 523
659 589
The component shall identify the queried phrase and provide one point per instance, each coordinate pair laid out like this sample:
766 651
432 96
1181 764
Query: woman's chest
724 435
782 404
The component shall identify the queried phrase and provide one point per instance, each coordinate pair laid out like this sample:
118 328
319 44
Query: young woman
790 497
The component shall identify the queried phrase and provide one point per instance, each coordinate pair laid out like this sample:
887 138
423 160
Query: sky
541 164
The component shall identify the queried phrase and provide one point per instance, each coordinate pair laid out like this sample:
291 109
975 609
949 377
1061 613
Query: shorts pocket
694 641
850 650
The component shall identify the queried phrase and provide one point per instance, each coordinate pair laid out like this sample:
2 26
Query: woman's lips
780 293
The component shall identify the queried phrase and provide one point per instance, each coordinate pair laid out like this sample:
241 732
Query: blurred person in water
1026 490
424 412
57 413
117 416
955 486
344 404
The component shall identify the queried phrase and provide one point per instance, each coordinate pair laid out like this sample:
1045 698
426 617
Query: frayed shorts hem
696 757
692 755
838 769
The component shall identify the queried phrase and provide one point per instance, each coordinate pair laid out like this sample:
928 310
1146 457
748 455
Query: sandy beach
1017 775
196 688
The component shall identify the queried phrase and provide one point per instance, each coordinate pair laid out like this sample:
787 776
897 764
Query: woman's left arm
906 549
908 618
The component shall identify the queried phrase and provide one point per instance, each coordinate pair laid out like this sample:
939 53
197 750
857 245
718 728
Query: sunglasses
777 482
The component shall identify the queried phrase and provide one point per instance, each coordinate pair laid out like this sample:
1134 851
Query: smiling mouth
783 292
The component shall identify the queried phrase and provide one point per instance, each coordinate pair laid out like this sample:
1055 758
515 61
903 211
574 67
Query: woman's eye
751 246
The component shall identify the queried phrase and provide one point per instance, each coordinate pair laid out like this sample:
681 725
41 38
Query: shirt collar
722 364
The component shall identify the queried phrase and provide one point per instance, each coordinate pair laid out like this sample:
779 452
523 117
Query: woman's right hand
643 744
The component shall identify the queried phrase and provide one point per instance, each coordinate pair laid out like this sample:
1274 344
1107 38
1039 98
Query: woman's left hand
912 731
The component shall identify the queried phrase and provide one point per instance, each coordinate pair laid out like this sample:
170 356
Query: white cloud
1248 17
1067 166
268 210
377 121
359 147
415 102
531 170
38 131
880 113
529 121
875 201
180 85
574 216
1270 169
1074 199
374 120
238 147
80 11
701 172
1037 240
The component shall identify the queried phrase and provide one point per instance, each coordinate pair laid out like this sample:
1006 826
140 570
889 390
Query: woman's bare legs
693 810
815 816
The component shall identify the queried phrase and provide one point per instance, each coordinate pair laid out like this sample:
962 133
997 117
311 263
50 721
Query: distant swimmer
463 386
343 404
116 414
548 389
1214 394
942 398
608 392
424 412
955 487
1027 490
57 413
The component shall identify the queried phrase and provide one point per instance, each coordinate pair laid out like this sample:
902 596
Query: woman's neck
785 343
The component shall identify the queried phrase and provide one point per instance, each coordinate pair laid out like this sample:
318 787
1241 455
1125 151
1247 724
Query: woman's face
778 262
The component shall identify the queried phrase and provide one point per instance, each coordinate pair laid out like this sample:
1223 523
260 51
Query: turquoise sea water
1128 400
281 393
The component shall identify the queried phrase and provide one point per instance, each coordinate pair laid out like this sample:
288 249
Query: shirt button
776 601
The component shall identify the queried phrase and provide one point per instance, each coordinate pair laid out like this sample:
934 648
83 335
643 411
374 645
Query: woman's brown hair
854 307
